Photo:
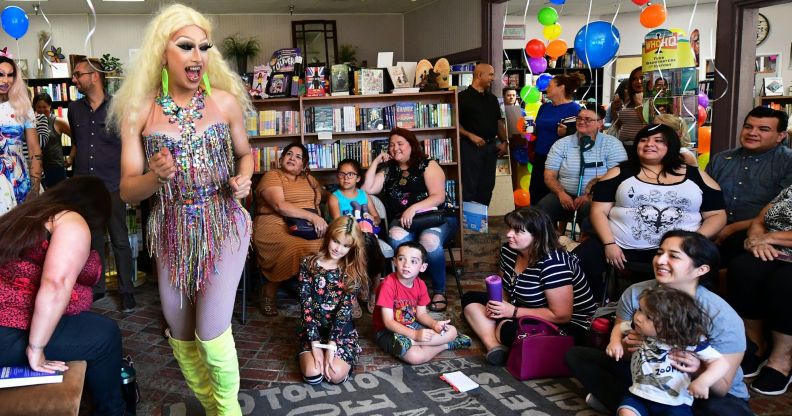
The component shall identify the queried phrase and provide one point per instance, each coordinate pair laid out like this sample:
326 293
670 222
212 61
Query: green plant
236 47
111 64
347 54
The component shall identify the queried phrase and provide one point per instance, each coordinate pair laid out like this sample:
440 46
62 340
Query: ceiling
581 7
227 6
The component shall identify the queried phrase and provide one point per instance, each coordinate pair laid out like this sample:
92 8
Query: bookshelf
519 74
778 102
369 118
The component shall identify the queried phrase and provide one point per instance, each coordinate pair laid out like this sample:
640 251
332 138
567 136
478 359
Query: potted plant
240 49
347 54
111 65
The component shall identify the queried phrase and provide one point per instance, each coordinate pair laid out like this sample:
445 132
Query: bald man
481 126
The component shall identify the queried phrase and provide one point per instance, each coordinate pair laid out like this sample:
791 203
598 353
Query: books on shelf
439 149
273 122
327 155
266 158
58 91
25 376
355 118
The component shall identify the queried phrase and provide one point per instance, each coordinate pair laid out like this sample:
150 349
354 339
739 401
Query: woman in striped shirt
539 279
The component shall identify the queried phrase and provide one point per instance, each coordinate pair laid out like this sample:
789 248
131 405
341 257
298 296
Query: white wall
442 28
116 34
779 39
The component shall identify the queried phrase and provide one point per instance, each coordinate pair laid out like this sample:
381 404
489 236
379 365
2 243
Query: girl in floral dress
328 283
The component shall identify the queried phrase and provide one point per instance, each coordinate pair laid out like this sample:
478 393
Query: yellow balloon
525 181
551 32
703 160
532 108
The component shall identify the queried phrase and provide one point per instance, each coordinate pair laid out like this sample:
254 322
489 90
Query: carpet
414 391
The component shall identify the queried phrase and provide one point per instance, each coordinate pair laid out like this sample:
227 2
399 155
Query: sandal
268 306
357 312
433 305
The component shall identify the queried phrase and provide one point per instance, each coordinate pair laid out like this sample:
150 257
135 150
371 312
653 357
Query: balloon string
90 35
503 42
714 66
47 43
585 50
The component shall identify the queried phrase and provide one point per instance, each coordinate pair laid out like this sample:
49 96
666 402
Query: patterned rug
414 391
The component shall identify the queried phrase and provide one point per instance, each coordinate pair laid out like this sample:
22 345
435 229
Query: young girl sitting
349 200
668 319
327 284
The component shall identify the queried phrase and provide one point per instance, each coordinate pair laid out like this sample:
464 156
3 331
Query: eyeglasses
78 74
586 120
348 175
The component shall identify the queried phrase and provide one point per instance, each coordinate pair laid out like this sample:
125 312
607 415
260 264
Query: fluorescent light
29 1
121 0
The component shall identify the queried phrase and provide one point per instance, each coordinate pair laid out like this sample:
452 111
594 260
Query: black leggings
508 331
760 290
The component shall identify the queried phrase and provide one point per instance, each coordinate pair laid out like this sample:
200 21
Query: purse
539 350
300 227
427 219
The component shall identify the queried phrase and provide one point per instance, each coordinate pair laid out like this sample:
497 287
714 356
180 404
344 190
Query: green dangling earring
164 81
207 86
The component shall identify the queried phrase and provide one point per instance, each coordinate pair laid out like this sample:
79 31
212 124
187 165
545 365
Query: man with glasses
570 183
96 150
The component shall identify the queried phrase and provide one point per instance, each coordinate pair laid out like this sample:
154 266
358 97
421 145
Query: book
25 376
261 74
772 86
399 77
339 80
459 381
278 85
315 81
285 60
371 81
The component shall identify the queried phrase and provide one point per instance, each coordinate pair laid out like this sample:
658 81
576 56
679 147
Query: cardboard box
475 216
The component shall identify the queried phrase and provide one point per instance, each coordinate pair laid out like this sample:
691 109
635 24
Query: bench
46 399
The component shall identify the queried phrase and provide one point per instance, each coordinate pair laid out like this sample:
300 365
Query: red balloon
522 198
640 2
653 16
535 48
702 115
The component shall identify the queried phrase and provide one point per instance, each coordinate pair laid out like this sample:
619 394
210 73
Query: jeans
53 175
119 238
85 336
437 261
608 380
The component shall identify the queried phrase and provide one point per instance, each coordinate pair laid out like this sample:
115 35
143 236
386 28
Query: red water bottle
599 335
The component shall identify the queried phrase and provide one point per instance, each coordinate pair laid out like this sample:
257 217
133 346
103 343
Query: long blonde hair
18 94
353 264
145 73
676 123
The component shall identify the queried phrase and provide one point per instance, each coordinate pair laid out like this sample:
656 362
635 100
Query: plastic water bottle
599 335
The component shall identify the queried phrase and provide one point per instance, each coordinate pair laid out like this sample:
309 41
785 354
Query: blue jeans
85 336
437 261
644 407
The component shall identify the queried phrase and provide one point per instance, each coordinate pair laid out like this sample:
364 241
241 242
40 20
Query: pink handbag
539 350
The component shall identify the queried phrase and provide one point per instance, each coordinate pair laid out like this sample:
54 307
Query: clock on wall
762 28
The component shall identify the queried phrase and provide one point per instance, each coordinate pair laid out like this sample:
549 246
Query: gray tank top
52 150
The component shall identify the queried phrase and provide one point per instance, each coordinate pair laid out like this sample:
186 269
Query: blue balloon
558 2
543 81
15 21
598 45
521 155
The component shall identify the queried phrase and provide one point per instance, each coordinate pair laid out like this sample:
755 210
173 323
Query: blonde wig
18 94
144 76
676 123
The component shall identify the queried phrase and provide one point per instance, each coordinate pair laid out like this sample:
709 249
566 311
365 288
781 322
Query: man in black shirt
481 123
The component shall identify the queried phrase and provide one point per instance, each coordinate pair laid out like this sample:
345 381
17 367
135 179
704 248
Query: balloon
520 155
703 100
547 16
543 81
525 182
600 43
530 168
530 94
556 48
521 125
640 2
15 21
531 109
522 198
704 135
558 2
653 16
535 48
551 32
702 115
537 65
703 160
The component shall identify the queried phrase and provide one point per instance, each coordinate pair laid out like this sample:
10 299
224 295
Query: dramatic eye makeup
188 46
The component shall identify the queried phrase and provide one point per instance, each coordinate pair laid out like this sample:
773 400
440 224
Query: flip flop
433 304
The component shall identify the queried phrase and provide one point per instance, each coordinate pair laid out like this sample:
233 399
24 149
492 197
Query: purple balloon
703 100
537 65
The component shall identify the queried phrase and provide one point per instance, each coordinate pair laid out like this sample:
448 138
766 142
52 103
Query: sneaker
770 382
498 355
128 303
460 342
595 404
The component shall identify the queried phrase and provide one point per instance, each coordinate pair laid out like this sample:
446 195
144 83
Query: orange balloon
522 198
521 124
704 135
653 16
556 48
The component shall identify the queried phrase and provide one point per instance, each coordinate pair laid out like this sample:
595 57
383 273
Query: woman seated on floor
47 270
637 202
760 286
682 261
540 279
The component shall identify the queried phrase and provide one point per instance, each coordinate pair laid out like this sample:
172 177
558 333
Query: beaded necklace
184 117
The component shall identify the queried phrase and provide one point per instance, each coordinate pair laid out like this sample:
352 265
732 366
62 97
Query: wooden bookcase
784 101
326 174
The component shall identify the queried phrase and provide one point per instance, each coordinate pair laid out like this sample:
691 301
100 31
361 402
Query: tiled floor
267 346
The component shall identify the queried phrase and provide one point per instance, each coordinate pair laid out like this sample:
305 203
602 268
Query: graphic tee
402 299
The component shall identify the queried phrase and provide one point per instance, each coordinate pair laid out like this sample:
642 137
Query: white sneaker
595 404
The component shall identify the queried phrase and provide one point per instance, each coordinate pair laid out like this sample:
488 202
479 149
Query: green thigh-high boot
220 357
195 372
